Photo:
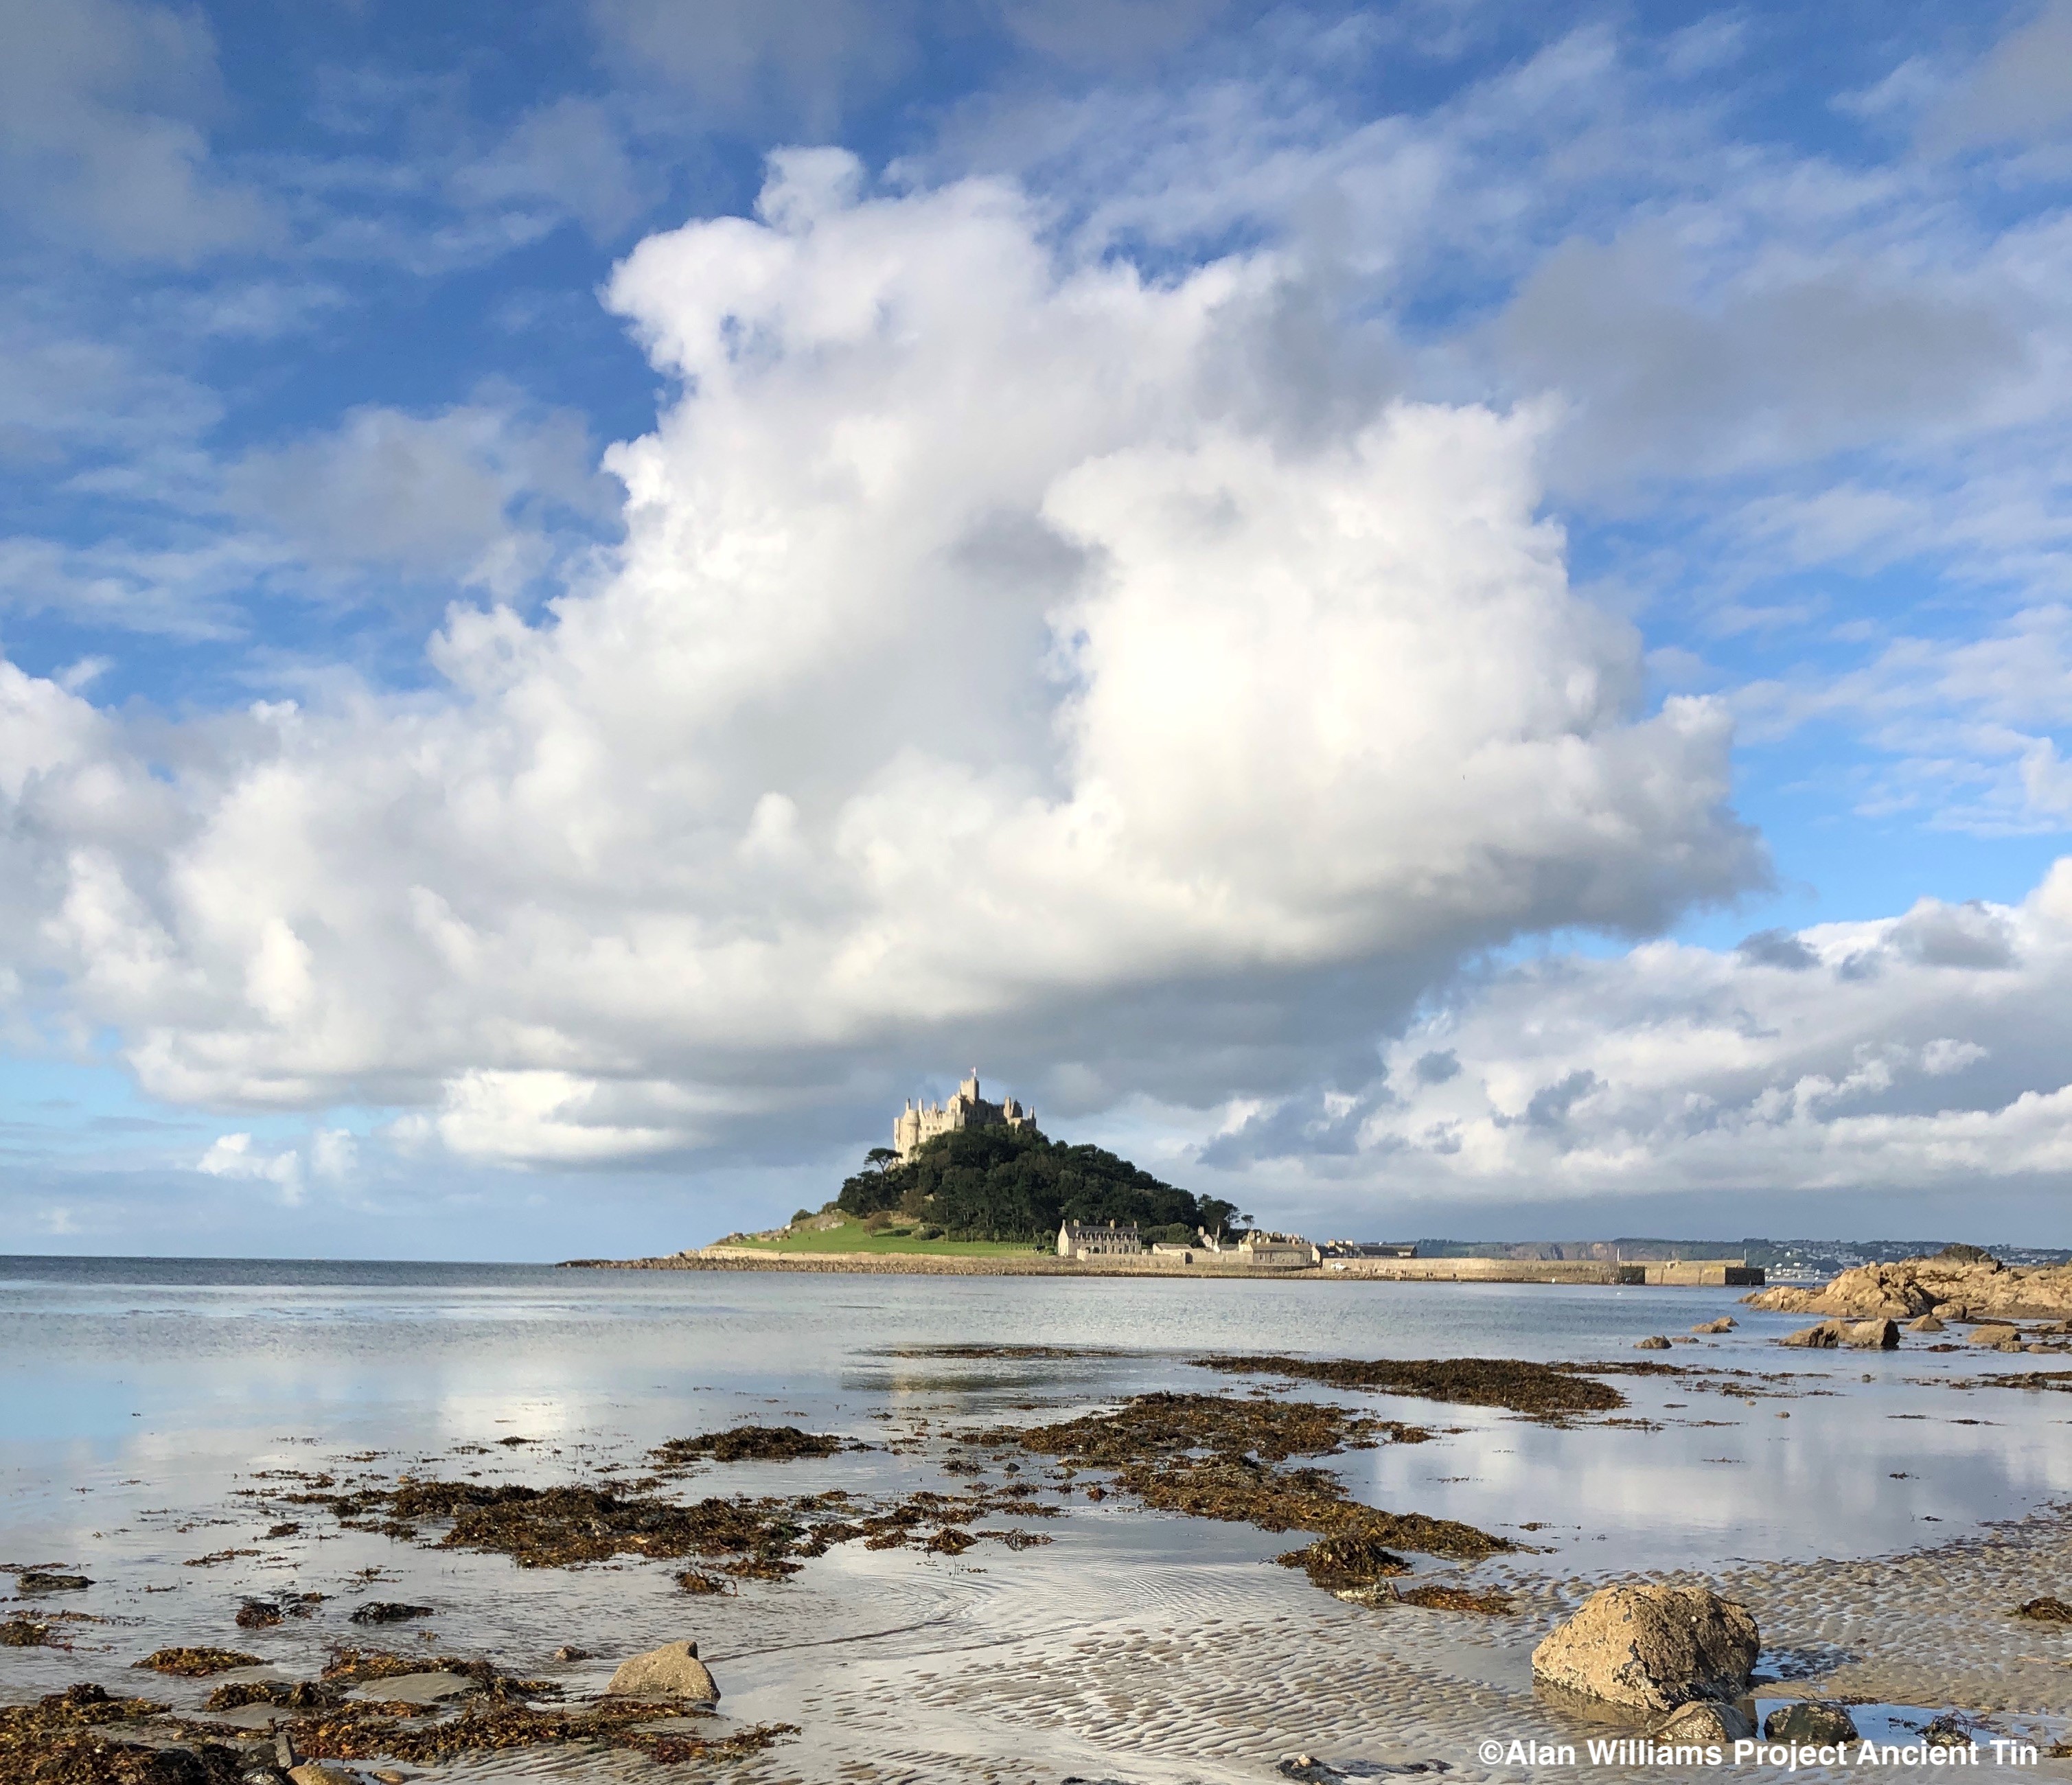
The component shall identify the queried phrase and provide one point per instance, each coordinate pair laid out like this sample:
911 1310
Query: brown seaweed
1355 1559
492 1724
196 1663
65 1739
745 1444
1540 1389
291 1695
1438 1597
389 1611
1169 1424
1156 1443
2046 1611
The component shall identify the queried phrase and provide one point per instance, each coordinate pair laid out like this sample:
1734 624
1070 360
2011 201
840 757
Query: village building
1084 1240
1369 1249
1277 1251
919 1123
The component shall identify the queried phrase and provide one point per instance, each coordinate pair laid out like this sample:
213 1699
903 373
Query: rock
1708 1721
569 1652
1657 1343
1873 1335
37 1579
415 1688
1724 1324
324 1772
2000 1339
1651 1648
1810 1722
1823 1337
672 1671
1951 1285
1927 1323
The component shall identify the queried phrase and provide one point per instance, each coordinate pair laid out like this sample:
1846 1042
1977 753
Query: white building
1083 1239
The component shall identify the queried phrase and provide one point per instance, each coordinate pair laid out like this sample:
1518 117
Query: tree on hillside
998 1183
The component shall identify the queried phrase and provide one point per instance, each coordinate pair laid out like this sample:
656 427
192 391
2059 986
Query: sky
1449 618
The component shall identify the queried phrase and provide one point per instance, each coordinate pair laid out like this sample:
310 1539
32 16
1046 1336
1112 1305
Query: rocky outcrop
1656 1343
1927 1323
1651 1648
672 1671
1960 1285
1997 1337
1861 1335
1724 1324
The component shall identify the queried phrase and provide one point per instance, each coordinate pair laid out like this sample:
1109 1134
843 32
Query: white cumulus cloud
234 1156
1000 656
1927 1052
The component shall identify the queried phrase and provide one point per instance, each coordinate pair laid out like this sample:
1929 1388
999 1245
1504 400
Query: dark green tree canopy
994 1183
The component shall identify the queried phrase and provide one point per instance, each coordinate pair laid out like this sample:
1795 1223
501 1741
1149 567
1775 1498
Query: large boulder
1651 1648
1873 1335
672 1671
1823 1337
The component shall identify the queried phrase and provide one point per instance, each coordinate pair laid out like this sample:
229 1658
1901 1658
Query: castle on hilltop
919 1123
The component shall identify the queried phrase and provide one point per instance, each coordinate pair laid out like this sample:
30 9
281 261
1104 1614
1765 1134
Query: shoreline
1697 1274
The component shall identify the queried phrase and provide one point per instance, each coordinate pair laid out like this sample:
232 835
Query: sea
141 1399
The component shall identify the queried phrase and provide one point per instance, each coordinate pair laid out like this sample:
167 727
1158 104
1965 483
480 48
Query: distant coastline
1695 1274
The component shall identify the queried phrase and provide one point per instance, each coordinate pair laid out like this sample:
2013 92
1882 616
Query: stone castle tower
920 1122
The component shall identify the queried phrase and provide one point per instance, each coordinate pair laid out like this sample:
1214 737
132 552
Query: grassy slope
852 1236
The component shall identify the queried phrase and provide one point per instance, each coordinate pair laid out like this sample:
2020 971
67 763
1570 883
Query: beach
192 1439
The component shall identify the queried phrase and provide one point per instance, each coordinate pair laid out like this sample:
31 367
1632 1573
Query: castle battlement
921 1122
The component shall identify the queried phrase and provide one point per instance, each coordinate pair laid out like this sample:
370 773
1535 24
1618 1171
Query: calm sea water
127 1382
148 1410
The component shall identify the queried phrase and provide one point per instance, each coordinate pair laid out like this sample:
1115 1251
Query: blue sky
591 596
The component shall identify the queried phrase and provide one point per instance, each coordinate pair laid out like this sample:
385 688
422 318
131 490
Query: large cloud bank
1005 652
1927 1052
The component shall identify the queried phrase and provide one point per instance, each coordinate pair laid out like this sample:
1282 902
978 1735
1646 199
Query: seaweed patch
1542 1390
196 1663
1217 1456
745 1444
